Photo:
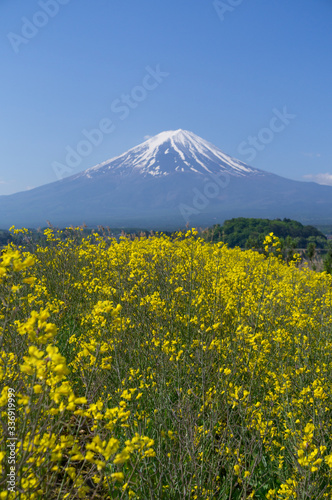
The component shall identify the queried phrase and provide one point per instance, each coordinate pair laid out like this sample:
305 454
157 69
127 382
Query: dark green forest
250 233
313 244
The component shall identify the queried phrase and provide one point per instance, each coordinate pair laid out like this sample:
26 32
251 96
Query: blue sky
224 71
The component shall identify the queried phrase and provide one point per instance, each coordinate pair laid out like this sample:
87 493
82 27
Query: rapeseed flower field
163 368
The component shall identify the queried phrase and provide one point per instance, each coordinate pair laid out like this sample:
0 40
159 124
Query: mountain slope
168 180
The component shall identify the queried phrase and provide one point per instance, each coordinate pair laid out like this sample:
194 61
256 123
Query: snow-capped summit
169 152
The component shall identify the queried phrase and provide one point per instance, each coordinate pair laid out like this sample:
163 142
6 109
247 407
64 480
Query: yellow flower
122 457
328 460
150 453
111 448
30 280
126 395
117 476
61 369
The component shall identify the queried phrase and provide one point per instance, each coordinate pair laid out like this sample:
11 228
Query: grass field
163 368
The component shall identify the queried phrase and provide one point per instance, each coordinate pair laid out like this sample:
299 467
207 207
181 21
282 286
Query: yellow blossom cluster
163 367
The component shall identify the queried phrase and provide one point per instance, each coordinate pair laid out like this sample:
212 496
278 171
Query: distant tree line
249 233
244 233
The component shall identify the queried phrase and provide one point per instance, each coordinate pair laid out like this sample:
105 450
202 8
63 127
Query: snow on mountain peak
169 152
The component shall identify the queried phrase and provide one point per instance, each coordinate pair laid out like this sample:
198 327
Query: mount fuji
169 180
171 152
